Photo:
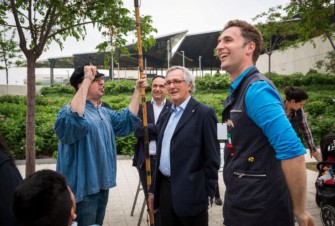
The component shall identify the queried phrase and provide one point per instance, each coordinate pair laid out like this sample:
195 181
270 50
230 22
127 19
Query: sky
171 16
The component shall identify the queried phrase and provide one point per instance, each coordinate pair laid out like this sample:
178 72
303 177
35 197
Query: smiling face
158 89
177 87
234 52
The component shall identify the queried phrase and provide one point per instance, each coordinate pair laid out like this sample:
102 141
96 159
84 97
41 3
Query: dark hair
157 76
250 33
77 76
43 198
4 148
295 93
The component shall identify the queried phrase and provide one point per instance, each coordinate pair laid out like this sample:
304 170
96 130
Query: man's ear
73 213
251 46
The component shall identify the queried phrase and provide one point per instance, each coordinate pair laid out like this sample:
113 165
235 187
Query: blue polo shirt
264 107
87 148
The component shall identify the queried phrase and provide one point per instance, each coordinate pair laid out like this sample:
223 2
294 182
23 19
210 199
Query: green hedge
211 90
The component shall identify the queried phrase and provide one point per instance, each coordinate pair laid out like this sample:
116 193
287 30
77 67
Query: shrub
57 89
211 90
125 145
213 83
119 86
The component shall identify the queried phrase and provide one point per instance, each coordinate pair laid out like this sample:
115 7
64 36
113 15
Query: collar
153 102
239 79
182 106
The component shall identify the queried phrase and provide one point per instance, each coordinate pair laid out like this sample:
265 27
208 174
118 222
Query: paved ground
121 198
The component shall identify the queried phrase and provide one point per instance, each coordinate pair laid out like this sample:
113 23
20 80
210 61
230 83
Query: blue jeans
91 210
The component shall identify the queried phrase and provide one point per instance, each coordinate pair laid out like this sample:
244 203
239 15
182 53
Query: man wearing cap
87 149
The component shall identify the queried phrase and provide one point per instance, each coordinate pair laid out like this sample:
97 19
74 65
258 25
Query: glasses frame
174 82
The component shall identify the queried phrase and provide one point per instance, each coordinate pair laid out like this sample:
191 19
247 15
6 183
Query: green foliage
328 63
119 86
13 126
321 126
15 99
125 145
299 20
216 82
210 90
296 24
9 50
58 89
298 79
41 23
213 98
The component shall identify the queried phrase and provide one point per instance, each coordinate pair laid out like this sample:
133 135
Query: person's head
239 46
43 198
295 98
158 88
180 84
97 85
4 148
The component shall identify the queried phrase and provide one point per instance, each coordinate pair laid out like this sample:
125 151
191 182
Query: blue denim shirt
87 148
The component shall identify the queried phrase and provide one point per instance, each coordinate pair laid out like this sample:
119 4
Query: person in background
157 110
87 148
264 164
10 178
188 156
295 98
43 198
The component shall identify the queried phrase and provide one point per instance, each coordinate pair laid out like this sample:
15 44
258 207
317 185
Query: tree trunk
330 40
6 75
30 116
269 69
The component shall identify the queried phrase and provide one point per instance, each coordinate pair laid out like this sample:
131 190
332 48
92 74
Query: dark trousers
217 191
168 215
143 178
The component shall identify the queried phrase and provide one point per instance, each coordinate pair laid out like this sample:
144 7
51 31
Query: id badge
222 131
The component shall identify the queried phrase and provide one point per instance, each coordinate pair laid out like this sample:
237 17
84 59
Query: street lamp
168 52
183 58
118 71
68 75
200 65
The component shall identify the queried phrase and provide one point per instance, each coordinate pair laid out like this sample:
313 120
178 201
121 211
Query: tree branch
23 42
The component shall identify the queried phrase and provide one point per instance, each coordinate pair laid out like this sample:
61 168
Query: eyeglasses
174 81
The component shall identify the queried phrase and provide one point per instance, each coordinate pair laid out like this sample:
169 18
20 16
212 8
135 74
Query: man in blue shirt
264 170
188 156
87 149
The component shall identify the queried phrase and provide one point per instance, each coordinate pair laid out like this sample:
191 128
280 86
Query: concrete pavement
121 197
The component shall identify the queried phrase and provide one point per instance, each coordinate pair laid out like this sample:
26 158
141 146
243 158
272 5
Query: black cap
77 76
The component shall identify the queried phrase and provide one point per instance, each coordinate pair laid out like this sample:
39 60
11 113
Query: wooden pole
144 106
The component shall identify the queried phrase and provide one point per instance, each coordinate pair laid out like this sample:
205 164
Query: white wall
20 90
294 60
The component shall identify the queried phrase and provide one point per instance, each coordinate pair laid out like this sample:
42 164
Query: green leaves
10 53
298 22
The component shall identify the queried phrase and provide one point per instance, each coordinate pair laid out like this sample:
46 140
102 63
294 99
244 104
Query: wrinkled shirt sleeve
69 126
123 122
264 107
